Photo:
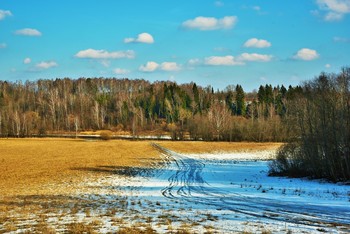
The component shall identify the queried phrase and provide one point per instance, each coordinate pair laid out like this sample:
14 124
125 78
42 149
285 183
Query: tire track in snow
187 184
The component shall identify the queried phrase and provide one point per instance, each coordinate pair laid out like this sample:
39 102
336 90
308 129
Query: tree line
37 108
320 145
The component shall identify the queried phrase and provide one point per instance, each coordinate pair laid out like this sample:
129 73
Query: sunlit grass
28 165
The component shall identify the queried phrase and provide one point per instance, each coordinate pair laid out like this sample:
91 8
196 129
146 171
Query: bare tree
218 115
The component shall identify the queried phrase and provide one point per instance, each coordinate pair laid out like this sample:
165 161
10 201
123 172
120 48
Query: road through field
187 182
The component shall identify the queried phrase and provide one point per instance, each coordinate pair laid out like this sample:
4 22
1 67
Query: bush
288 162
106 135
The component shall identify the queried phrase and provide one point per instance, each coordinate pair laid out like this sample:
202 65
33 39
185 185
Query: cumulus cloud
46 65
228 60
4 14
255 57
3 45
306 54
149 67
327 65
120 71
165 66
334 9
27 61
141 38
170 66
210 23
257 43
28 32
103 54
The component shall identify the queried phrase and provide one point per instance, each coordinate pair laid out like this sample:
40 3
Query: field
119 186
30 164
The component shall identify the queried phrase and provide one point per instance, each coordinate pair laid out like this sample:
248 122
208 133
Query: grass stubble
45 187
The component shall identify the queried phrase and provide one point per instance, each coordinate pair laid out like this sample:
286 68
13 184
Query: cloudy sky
210 42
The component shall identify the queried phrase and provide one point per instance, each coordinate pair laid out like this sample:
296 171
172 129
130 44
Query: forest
37 108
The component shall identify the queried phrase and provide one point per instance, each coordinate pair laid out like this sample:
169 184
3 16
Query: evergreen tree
240 101
261 94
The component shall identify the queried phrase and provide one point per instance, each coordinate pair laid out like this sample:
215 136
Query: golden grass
27 165
214 147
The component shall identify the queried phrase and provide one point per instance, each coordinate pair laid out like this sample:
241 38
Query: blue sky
210 42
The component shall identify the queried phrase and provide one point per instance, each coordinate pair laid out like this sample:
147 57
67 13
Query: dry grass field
27 165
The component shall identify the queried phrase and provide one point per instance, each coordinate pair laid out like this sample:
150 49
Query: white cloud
120 71
257 43
3 45
333 16
27 61
141 38
210 23
334 9
327 65
4 14
255 57
228 60
170 66
149 67
46 65
194 62
165 66
28 32
340 6
103 54
306 54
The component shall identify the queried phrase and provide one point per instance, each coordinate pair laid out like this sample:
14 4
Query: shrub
288 162
106 135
